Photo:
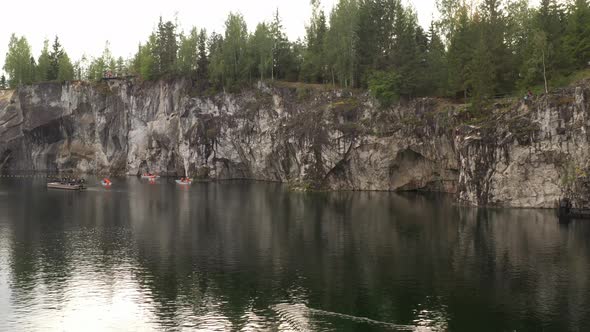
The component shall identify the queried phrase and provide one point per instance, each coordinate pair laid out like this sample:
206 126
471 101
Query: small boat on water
106 182
184 181
66 185
150 176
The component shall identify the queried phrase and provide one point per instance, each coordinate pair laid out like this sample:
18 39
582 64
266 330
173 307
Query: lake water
238 256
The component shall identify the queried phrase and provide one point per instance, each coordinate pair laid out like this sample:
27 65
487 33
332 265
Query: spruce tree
54 59
202 61
43 64
437 67
577 38
314 60
216 60
65 69
166 47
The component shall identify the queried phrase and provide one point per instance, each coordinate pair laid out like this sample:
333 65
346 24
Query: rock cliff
528 154
519 154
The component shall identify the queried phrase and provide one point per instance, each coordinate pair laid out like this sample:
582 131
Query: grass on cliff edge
561 82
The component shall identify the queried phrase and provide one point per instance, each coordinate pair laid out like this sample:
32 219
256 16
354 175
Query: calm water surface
249 257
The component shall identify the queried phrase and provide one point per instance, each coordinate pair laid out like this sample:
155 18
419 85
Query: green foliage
461 37
65 69
18 64
477 49
234 55
202 59
384 86
408 56
187 53
144 63
285 62
341 43
3 82
577 37
261 51
166 48
163 55
100 66
436 75
54 65
79 67
44 63
54 60
216 61
314 61
121 67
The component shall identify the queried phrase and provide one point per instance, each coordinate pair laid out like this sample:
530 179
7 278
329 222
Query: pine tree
216 60
121 67
550 20
368 37
99 67
460 53
32 69
407 58
495 31
282 56
437 64
54 60
314 60
202 61
144 63
166 48
65 69
80 68
482 71
577 38
518 36
44 63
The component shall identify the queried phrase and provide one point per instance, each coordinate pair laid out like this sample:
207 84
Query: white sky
84 26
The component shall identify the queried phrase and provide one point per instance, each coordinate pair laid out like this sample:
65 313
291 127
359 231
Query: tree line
22 68
477 49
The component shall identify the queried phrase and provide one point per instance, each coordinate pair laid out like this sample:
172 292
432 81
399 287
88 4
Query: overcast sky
84 26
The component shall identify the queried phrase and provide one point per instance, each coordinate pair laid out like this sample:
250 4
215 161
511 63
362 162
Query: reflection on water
250 257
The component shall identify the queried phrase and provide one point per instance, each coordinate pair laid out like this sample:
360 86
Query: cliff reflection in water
247 256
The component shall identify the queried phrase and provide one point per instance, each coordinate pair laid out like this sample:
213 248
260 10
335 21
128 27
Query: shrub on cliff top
384 86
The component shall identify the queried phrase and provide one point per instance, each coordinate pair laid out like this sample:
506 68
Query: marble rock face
532 154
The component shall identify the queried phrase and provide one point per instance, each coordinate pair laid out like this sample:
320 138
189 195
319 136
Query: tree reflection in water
251 256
